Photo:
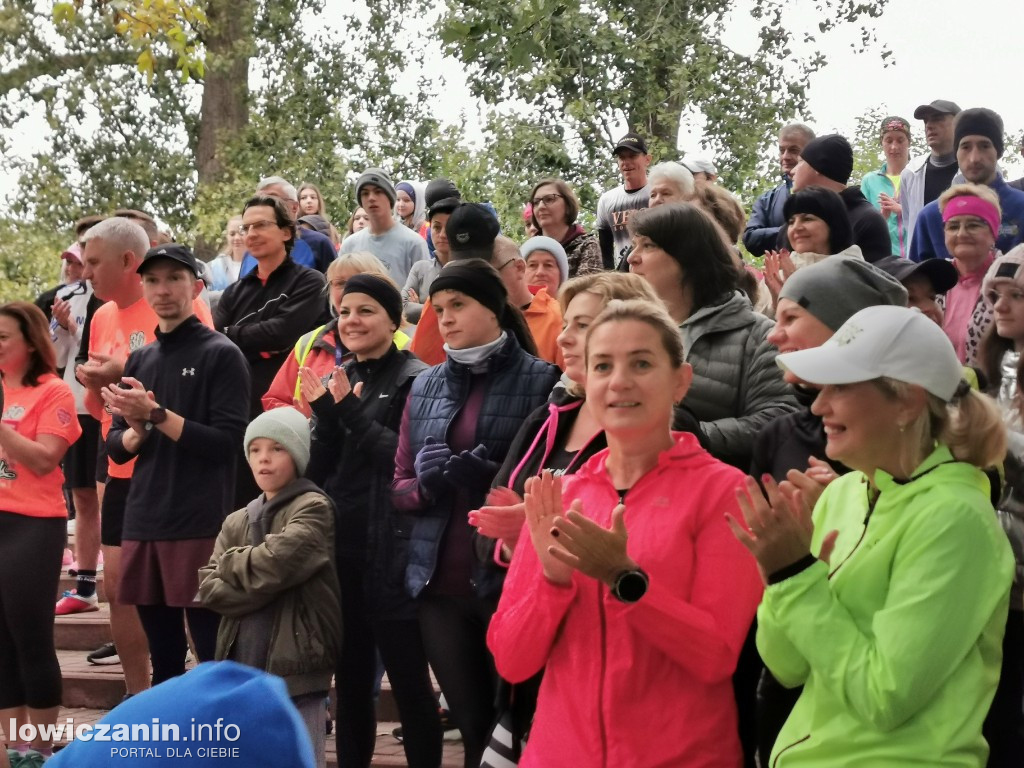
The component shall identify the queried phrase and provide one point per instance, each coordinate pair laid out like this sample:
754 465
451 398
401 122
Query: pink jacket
648 684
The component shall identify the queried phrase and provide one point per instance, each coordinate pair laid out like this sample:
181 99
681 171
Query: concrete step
67 583
83 631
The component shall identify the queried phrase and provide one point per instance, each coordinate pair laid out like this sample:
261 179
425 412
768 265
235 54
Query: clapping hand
502 517
543 504
429 466
471 469
778 267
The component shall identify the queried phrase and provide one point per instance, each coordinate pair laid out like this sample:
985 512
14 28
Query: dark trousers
164 626
455 634
401 651
31 549
1004 726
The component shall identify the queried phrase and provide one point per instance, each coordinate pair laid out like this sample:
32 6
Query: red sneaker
72 602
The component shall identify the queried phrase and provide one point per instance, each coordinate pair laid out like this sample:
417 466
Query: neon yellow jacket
899 641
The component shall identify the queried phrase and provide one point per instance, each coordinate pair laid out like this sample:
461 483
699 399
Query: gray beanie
836 288
285 426
552 246
379 178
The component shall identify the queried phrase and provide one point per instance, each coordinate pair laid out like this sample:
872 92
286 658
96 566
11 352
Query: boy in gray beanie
272 577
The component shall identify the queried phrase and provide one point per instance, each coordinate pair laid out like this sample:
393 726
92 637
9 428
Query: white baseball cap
882 341
698 164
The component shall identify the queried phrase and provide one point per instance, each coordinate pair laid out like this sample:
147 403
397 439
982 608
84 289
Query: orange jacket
544 318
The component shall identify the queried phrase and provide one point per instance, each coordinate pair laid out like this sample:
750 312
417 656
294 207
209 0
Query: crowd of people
631 499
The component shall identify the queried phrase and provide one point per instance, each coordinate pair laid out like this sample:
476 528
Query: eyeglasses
546 200
506 264
256 226
970 225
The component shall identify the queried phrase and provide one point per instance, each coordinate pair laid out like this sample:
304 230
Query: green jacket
289 578
871 186
898 642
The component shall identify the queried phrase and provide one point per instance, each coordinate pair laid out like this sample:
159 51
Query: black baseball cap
471 230
634 142
940 273
939 106
179 253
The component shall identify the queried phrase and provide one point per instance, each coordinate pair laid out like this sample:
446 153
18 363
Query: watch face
158 416
631 586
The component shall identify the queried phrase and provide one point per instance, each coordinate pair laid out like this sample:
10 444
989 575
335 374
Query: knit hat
827 206
285 426
440 189
219 705
979 122
891 342
837 287
378 178
379 289
484 285
1008 268
471 230
552 246
831 156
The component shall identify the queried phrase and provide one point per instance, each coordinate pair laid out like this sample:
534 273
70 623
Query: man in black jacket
827 162
180 410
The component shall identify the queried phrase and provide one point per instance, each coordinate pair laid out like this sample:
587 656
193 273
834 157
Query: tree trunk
225 106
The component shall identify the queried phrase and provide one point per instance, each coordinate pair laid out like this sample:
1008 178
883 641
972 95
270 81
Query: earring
902 427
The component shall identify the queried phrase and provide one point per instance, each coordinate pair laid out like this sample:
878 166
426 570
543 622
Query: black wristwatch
630 586
157 416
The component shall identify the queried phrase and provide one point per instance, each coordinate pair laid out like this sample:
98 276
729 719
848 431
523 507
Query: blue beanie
258 724
552 246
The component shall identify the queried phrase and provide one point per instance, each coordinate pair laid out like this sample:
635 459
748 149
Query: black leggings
1004 726
401 650
165 630
31 549
455 635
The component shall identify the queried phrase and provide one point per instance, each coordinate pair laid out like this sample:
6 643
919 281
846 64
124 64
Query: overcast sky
942 49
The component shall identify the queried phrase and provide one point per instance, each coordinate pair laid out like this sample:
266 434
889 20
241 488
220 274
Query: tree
589 66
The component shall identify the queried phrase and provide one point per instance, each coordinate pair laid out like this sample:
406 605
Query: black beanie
979 122
484 285
827 206
831 156
439 189
376 287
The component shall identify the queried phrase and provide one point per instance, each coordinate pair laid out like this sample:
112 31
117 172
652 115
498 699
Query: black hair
694 240
827 206
282 215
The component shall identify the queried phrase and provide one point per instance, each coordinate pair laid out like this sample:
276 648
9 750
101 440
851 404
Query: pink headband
968 205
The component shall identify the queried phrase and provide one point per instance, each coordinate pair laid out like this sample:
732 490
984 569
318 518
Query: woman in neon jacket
895 628
638 640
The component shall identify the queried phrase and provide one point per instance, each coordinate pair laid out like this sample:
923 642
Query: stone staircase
90 691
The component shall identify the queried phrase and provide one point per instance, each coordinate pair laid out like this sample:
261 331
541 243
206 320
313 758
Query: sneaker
397 733
105 654
451 733
69 558
71 527
72 602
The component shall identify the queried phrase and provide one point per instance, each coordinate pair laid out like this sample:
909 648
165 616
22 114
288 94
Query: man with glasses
541 310
397 246
616 205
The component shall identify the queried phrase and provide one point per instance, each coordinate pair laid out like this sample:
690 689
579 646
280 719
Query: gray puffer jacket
737 387
1011 503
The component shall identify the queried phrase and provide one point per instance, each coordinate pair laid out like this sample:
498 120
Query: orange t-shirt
46 409
427 343
118 333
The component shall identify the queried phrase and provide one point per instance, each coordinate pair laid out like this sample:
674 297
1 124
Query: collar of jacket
495 362
182 333
734 312
686 448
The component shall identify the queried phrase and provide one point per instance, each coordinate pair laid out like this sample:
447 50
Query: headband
379 289
968 205
482 285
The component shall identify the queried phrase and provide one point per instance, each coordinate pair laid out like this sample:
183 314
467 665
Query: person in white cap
894 626
703 170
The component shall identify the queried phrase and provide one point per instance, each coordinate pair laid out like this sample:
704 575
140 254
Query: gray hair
800 128
271 181
676 173
122 234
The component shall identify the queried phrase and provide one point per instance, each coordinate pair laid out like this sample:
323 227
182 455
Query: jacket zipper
863 533
602 730
775 762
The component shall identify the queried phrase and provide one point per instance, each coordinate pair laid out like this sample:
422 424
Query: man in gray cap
928 176
398 247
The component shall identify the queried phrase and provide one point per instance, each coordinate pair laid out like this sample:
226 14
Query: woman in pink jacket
639 636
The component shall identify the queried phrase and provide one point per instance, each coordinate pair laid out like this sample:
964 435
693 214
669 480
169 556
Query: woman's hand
543 506
310 385
502 517
778 267
592 550
811 483
780 528
338 384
